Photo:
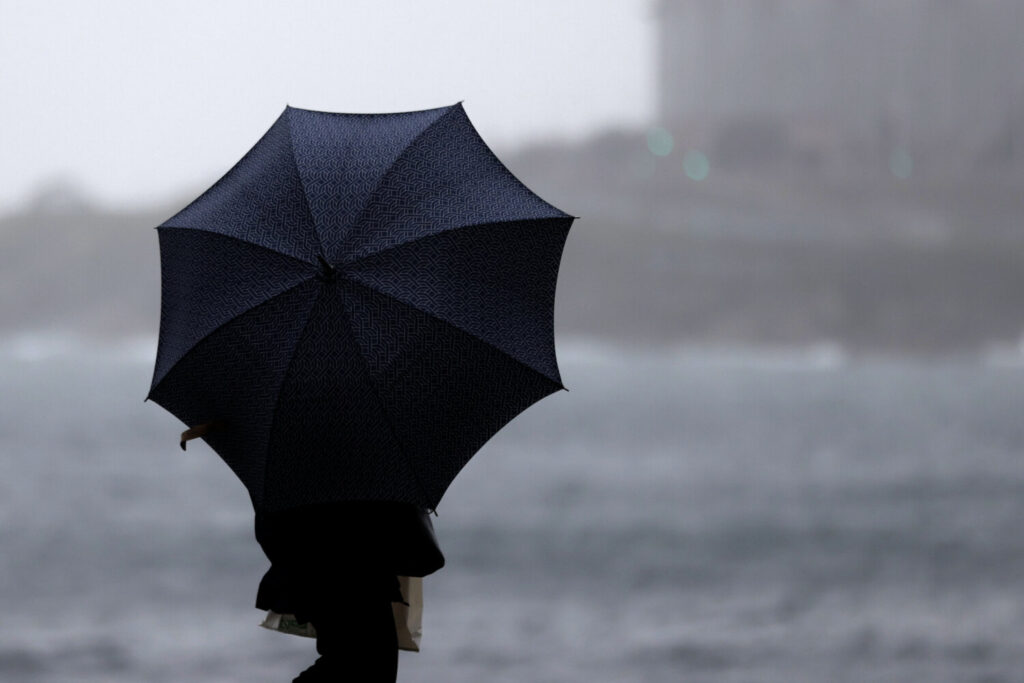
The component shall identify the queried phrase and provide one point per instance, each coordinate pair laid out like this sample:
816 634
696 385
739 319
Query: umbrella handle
196 432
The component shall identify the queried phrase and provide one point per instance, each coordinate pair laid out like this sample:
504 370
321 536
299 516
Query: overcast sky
139 101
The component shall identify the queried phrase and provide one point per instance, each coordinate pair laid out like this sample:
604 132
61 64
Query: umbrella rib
277 401
445 231
403 449
459 328
302 182
218 327
388 171
237 239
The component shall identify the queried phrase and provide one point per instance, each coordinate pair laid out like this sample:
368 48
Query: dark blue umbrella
357 306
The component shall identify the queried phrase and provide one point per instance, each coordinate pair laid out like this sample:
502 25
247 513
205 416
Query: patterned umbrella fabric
357 306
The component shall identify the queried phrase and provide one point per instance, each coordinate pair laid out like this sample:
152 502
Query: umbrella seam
484 224
508 170
237 239
380 182
218 327
302 181
403 449
277 399
461 329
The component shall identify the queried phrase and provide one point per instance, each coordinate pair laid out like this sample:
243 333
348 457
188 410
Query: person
336 566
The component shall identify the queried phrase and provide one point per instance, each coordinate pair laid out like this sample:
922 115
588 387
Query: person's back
336 566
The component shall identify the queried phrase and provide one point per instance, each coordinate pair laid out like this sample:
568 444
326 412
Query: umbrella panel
333 437
233 377
204 286
333 391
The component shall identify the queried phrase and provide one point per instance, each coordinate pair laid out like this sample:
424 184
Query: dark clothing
336 566
358 634
322 554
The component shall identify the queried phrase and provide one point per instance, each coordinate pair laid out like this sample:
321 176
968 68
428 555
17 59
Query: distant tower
943 78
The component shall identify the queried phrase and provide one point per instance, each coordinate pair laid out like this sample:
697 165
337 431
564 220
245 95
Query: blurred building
839 82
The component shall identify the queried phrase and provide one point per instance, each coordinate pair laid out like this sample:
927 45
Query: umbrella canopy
357 306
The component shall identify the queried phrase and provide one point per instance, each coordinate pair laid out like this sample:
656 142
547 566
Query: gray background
790 321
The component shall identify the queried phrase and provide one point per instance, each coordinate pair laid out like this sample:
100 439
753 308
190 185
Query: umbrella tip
327 271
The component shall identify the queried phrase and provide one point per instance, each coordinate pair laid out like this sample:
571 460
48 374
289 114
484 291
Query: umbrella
357 306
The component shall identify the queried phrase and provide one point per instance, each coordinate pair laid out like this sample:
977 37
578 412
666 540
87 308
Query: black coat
321 553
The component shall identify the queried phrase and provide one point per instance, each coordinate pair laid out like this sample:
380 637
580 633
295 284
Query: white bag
408 619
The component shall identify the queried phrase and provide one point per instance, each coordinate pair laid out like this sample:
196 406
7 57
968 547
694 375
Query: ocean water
690 515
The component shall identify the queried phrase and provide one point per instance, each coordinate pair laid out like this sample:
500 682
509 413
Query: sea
697 514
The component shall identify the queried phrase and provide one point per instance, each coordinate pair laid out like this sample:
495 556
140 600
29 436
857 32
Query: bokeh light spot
660 142
900 163
696 165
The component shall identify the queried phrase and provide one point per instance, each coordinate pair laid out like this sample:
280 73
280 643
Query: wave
824 355
1004 355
